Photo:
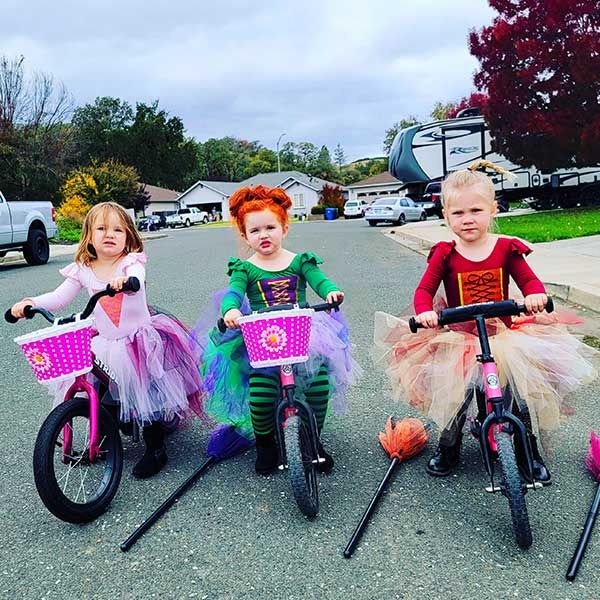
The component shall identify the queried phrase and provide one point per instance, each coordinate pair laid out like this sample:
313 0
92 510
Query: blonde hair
86 252
474 175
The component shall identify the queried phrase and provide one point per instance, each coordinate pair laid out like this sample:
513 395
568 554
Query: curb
569 293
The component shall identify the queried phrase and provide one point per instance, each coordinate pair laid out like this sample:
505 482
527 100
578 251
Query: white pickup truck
26 226
187 217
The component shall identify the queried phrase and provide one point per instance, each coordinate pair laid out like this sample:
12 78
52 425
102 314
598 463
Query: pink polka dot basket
59 352
279 337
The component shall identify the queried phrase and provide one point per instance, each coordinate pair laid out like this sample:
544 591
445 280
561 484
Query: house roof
225 188
159 194
382 178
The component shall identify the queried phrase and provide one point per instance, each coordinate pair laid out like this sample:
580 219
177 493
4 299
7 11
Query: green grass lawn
552 225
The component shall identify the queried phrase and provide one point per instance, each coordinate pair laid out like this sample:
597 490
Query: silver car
396 210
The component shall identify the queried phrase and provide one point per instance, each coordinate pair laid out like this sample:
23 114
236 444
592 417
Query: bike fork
82 385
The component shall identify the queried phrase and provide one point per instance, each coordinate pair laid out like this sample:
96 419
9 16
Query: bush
74 208
69 230
317 210
332 196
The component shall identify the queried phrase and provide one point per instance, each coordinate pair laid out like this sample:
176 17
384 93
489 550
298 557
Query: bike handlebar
131 285
470 312
316 307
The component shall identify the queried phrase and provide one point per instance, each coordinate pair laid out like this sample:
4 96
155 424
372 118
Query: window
298 201
403 202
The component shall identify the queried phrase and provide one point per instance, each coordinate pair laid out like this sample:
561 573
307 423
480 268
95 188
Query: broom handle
365 518
162 509
585 537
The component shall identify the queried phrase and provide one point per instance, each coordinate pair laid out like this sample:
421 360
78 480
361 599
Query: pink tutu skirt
155 369
435 369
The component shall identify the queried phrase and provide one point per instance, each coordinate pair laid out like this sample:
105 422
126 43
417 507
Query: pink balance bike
279 336
78 455
501 434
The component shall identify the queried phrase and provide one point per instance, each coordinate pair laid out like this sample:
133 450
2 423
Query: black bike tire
512 488
43 468
302 472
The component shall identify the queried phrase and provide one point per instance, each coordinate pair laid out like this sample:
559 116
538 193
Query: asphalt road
236 535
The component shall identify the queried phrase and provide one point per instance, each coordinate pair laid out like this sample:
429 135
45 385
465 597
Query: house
304 190
161 201
373 187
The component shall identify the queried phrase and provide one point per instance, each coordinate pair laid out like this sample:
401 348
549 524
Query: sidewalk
14 258
570 269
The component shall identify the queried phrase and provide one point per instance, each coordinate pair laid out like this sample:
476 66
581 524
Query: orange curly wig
255 199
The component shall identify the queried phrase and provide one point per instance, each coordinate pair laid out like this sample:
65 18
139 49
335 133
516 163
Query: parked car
433 195
355 208
396 210
187 217
149 223
26 226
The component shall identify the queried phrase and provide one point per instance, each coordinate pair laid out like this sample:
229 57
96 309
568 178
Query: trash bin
330 214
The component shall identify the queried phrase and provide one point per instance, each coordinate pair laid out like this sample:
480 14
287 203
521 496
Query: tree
441 111
332 196
104 181
539 64
33 136
474 100
339 158
392 132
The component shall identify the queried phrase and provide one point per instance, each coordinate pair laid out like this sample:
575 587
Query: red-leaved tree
475 100
540 66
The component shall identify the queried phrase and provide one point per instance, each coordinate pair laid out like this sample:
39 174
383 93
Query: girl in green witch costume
245 396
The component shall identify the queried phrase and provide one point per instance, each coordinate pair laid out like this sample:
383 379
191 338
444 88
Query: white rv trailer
424 153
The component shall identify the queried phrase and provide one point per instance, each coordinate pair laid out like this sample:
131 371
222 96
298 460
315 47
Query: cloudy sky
319 71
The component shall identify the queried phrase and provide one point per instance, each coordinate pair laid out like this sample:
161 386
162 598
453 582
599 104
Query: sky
325 72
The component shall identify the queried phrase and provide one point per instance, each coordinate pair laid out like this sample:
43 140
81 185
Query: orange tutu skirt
434 370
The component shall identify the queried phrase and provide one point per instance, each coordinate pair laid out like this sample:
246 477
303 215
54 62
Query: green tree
391 133
339 158
441 111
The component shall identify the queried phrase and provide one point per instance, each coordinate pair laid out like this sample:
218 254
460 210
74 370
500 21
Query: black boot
540 470
444 459
155 456
327 465
267 457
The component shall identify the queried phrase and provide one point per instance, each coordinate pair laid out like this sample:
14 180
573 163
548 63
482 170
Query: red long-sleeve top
469 282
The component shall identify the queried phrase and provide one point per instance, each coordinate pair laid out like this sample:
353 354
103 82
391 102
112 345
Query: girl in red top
539 360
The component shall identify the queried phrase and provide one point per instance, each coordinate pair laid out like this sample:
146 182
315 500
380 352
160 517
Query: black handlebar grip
550 305
131 285
9 317
221 326
414 326
28 312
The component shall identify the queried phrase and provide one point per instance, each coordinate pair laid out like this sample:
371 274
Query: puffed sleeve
65 293
433 276
134 265
238 284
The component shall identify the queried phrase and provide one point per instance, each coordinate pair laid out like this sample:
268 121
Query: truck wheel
187 223
37 249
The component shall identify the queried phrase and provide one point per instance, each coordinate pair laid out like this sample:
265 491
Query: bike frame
288 406
498 417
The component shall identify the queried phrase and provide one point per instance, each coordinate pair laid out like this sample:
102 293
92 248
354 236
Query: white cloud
325 72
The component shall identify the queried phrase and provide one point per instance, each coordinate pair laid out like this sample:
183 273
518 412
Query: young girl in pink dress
539 360
155 366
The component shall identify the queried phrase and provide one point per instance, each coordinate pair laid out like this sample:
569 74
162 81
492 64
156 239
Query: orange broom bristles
403 439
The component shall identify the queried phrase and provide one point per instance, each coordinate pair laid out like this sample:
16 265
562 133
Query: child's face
109 238
469 214
263 232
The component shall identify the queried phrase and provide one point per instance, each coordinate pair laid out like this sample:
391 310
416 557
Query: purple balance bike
502 436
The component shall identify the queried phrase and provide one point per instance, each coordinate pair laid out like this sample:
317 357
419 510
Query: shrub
317 210
69 230
332 196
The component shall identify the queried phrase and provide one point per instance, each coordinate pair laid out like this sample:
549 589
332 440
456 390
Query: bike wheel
303 475
75 489
512 488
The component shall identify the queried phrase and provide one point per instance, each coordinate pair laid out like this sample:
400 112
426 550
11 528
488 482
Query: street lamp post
278 163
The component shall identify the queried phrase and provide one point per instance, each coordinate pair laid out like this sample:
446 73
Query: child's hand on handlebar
535 303
231 318
117 283
18 309
428 319
336 297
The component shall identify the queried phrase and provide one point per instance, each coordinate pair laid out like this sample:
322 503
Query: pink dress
154 362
